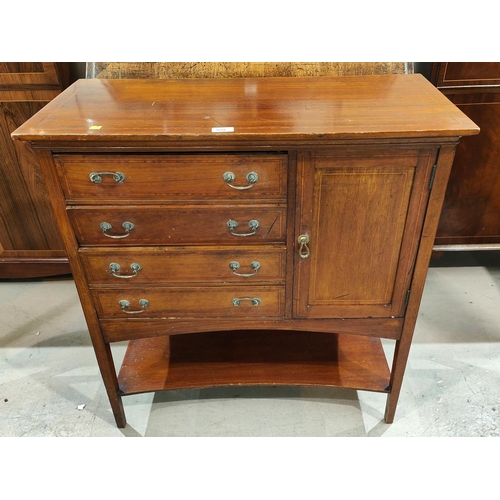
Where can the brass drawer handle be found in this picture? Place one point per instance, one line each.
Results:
(304, 251)
(232, 225)
(114, 268)
(125, 304)
(255, 301)
(234, 265)
(255, 265)
(252, 178)
(96, 177)
(106, 226)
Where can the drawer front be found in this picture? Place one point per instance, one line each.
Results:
(127, 267)
(191, 302)
(87, 178)
(173, 226)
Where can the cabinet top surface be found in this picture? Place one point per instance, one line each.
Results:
(273, 109)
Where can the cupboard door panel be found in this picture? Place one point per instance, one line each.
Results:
(356, 222)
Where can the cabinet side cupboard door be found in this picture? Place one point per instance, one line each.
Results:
(362, 214)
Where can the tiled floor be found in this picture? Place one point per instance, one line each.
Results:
(451, 387)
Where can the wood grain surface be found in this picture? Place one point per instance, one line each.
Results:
(277, 109)
(179, 225)
(28, 230)
(254, 358)
(471, 208)
(173, 177)
(206, 264)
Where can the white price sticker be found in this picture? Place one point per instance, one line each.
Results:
(222, 129)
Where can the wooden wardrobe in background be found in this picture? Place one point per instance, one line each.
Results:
(32, 246)
(470, 219)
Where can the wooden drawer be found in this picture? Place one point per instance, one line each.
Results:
(184, 265)
(87, 178)
(176, 225)
(237, 301)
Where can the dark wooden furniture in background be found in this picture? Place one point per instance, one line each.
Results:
(278, 250)
(28, 230)
(470, 219)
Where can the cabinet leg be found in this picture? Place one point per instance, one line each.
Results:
(118, 411)
(398, 369)
(390, 407)
(108, 372)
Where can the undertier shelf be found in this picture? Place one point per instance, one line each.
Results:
(262, 357)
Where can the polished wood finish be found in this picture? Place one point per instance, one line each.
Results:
(367, 161)
(173, 177)
(34, 76)
(117, 330)
(471, 211)
(203, 302)
(466, 74)
(380, 228)
(28, 264)
(254, 358)
(182, 113)
(28, 229)
(198, 264)
(403, 344)
(178, 225)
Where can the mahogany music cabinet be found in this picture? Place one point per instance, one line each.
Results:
(265, 231)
